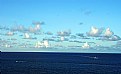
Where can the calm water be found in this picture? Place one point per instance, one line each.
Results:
(60, 63)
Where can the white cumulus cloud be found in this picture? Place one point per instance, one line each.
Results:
(108, 33)
(26, 36)
(44, 43)
(86, 46)
(95, 32)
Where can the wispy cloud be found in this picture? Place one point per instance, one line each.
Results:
(19, 28)
(80, 34)
(81, 23)
(10, 33)
(118, 44)
(38, 22)
(49, 33)
(64, 33)
(112, 38)
(87, 12)
(73, 37)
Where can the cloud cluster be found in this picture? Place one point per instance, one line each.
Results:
(62, 36)
(31, 29)
(19, 28)
(34, 29)
(108, 35)
(114, 38)
(95, 32)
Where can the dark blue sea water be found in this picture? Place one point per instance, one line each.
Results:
(60, 63)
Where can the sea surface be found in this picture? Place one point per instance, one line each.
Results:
(60, 63)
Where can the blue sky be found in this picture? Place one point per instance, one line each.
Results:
(63, 15)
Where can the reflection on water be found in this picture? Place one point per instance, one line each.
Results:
(19, 61)
(92, 57)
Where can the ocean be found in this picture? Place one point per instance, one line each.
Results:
(60, 63)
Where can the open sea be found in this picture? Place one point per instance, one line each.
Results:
(60, 63)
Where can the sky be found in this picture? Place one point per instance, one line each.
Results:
(91, 26)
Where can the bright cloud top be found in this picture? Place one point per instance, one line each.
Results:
(95, 32)
(108, 33)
